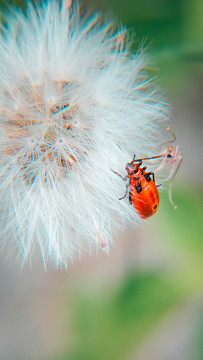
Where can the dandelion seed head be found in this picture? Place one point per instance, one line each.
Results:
(75, 104)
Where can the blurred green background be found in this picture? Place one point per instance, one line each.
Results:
(144, 301)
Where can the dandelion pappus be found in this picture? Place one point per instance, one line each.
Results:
(143, 192)
(171, 156)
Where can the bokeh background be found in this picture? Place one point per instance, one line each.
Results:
(145, 300)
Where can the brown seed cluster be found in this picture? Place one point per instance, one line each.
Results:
(35, 130)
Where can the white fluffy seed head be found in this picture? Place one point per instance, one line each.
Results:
(74, 105)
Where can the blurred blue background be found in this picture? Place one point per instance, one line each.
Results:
(144, 301)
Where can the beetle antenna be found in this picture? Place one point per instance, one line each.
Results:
(150, 158)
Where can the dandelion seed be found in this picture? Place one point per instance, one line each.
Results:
(74, 104)
(172, 157)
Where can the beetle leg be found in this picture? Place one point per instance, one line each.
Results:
(123, 178)
(123, 197)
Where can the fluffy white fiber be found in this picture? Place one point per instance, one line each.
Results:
(74, 105)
